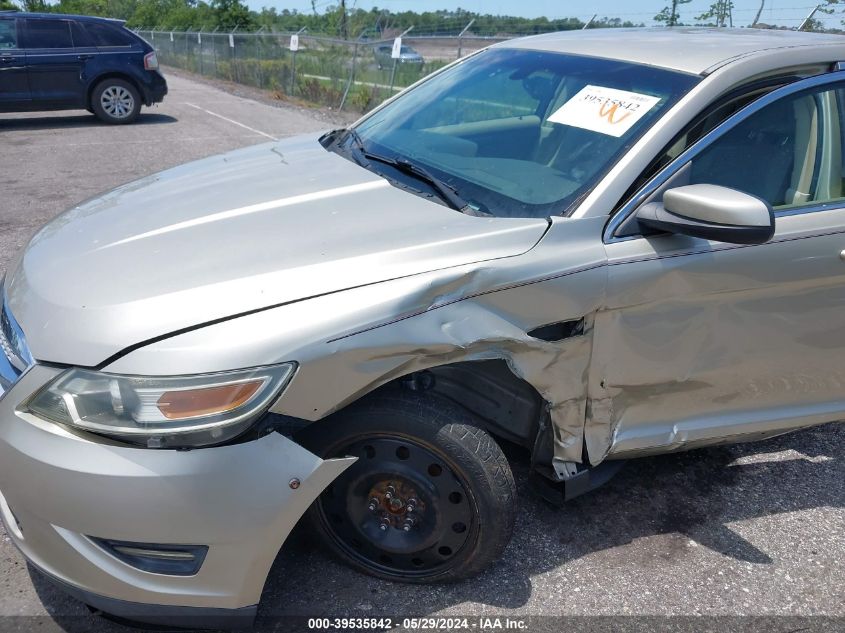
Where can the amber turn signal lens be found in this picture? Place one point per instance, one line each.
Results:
(192, 403)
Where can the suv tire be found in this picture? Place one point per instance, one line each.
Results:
(116, 101)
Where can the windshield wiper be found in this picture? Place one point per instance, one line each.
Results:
(448, 193)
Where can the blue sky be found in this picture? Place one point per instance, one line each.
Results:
(785, 12)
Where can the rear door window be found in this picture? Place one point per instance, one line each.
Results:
(81, 39)
(108, 35)
(8, 34)
(48, 34)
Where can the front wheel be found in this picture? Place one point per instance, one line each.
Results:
(430, 498)
(116, 101)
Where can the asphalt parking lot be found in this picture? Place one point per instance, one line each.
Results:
(755, 529)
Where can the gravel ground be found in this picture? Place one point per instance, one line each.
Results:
(751, 530)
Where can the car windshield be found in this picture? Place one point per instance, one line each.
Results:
(516, 133)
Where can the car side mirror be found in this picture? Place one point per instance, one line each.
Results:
(711, 212)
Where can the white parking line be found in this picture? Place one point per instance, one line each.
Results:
(232, 121)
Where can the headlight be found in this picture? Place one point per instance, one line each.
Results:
(161, 412)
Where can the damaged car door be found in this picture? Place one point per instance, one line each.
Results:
(706, 341)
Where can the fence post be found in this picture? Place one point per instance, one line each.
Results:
(294, 47)
(351, 75)
(392, 77)
(396, 59)
(461, 37)
(234, 57)
(199, 41)
(214, 51)
(293, 73)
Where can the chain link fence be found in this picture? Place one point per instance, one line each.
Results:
(343, 74)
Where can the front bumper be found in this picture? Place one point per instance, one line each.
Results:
(59, 489)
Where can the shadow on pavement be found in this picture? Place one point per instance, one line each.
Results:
(59, 122)
(693, 495)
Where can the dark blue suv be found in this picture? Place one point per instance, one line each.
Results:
(66, 62)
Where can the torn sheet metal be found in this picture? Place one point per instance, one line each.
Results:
(349, 343)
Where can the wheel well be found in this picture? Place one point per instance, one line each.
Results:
(113, 75)
(500, 401)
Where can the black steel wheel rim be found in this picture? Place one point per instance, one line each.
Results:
(400, 509)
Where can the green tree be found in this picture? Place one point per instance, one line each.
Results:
(34, 6)
(231, 14)
(669, 15)
(721, 12)
(829, 7)
(6, 5)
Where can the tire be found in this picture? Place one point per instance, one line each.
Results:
(430, 499)
(116, 101)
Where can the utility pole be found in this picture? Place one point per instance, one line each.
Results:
(344, 27)
(589, 22)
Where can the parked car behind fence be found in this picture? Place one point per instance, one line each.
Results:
(407, 55)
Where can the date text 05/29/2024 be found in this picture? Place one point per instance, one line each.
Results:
(419, 624)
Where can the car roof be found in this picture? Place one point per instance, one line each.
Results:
(696, 50)
(61, 16)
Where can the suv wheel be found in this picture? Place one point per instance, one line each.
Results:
(431, 497)
(116, 101)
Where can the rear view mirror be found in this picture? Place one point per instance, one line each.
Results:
(711, 212)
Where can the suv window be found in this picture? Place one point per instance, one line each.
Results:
(789, 153)
(48, 34)
(8, 33)
(108, 34)
(81, 39)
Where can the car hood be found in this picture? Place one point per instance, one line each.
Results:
(228, 235)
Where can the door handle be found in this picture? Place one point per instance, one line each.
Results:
(84, 57)
(5, 60)
(842, 256)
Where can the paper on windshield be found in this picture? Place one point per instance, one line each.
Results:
(604, 110)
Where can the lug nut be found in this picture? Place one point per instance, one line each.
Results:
(373, 505)
(409, 523)
(412, 505)
(385, 523)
